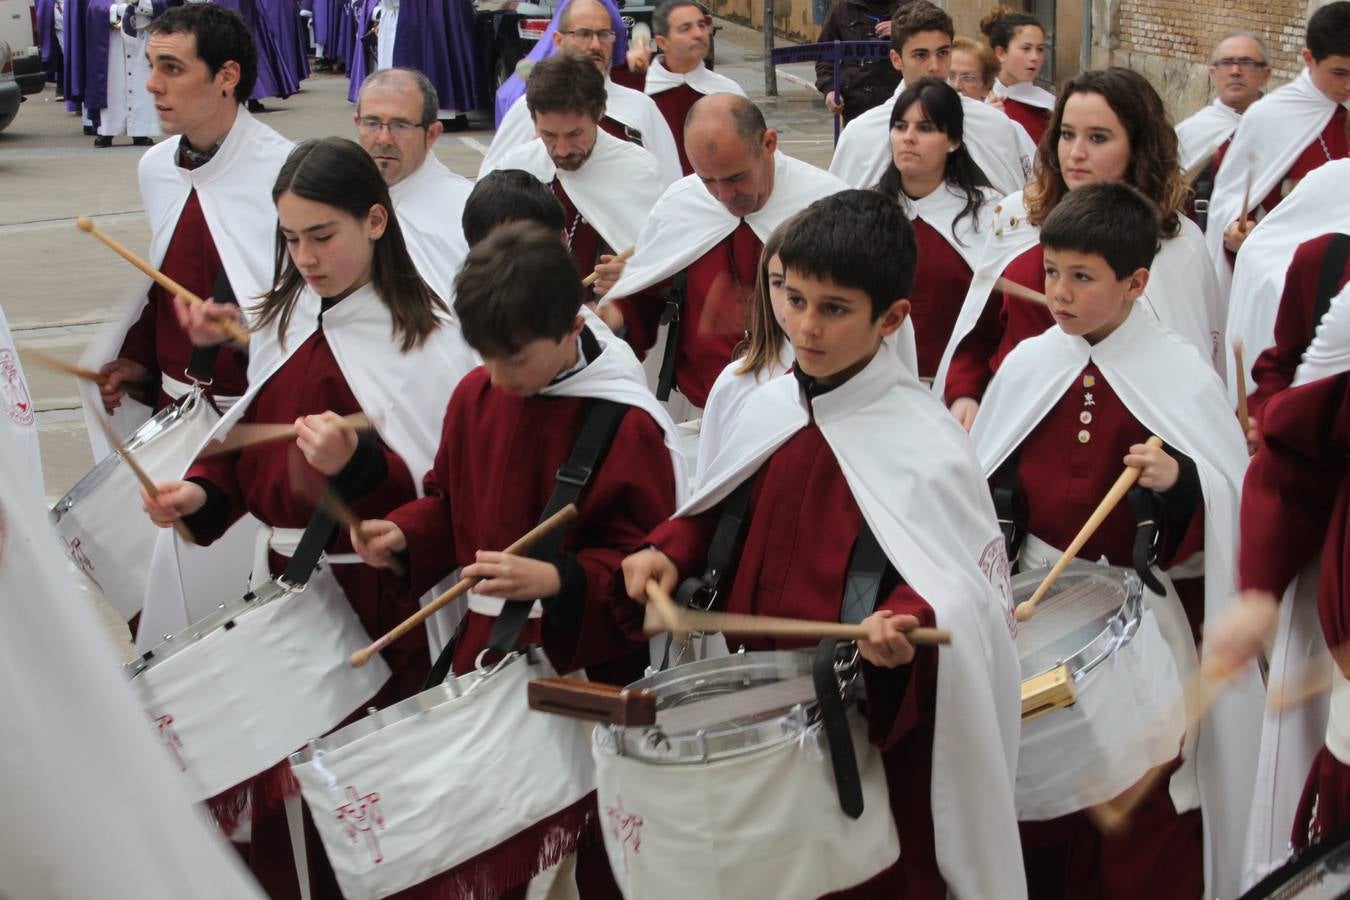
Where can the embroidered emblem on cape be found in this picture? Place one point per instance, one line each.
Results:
(361, 815)
(993, 563)
(79, 557)
(626, 828)
(169, 738)
(13, 392)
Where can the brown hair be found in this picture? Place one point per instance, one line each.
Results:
(1154, 164)
(763, 341)
(916, 17)
(566, 82)
(989, 64)
(1001, 25)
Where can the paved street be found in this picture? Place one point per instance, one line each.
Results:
(58, 286)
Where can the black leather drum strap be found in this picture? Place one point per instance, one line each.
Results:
(592, 443)
(317, 534)
(862, 589)
(1329, 278)
(670, 317)
(202, 363)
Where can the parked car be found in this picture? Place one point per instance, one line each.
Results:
(10, 94)
(18, 28)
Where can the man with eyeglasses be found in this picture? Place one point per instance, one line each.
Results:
(396, 124)
(678, 78)
(1283, 138)
(590, 29)
(1239, 72)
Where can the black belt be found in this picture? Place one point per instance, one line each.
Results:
(670, 317)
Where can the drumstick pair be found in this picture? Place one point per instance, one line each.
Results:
(251, 434)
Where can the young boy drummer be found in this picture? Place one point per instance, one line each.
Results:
(852, 439)
(1060, 414)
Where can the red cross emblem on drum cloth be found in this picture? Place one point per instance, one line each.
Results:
(361, 814)
(13, 393)
(626, 828)
(169, 737)
(79, 557)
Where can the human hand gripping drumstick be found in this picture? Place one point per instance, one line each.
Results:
(84, 223)
(617, 259)
(1027, 608)
(461, 587)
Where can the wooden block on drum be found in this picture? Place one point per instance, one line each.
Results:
(1047, 692)
(592, 701)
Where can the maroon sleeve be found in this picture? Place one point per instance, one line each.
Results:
(686, 539)
(970, 370)
(1291, 484)
(426, 523)
(218, 476)
(900, 700)
(1274, 369)
(642, 317)
(139, 344)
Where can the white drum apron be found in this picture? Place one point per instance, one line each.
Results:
(419, 789)
(749, 809)
(240, 690)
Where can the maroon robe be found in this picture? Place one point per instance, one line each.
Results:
(1005, 321)
(1295, 502)
(258, 480)
(583, 241)
(1065, 466)
(793, 561)
(940, 282)
(155, 339)
(712, 323)
(1033, 118)
(675, 104)
(1332, 144)
(1294, 324)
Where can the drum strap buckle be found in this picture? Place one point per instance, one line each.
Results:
(834, 719)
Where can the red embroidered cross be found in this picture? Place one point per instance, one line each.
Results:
(361, 815)
(626, 828)
(169, 737)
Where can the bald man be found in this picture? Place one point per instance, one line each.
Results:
(588, 28)
(1239, 70)
(706, 232)
(396, 122)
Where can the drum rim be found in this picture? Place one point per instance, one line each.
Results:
(1121, 626)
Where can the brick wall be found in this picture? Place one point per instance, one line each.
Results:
(1189, 29)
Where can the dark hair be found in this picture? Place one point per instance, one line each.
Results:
(221, 35)
(1113, 221)
(941, 105)
(661, 15)
(337, 172)
(743, 116)
(1329, 31)
(566, 82)
(517, 285)
(920, 15)
(1001, 25)
(857, 239)
(1154, 163)
(431, 102)
(509, 195)
(763, 339)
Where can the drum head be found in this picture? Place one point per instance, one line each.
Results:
(1088, 605)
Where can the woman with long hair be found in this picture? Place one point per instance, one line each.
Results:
(947, 199)
(1018, 41)
(1109, 125)
(348, 327)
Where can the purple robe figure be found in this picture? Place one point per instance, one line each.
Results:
(436, 38)
(274, 77)
(513, 88)
(49, 45)
(75, 56)
(363, 46)
(284, 24)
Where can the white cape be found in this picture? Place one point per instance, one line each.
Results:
(700, 78)
(429, 204)
(626, 106)
(1318, 205)
(235, 191)
(1271, 135)
(1000, 147)
(879, 424)
(1329, 352)
(613, 190)
(1203, 133)
(1026, 92)
(1178, 397)
(942, 208)
(79, 767)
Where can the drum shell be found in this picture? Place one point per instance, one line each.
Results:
(453, 777)
(243, 696)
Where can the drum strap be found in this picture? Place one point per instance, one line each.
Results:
(1204, 188)
(1329, 278)
(201, 365)
(673, 295)
(318, 532)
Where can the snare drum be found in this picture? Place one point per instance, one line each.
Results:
(100, 522)
(435, 789)
(1319, 872)
(241, 689)
(1101, 697)
(743, 807)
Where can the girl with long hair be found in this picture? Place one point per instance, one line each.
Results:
(1018, 41)
(1109, 125)
(348, 327)
(948, 201)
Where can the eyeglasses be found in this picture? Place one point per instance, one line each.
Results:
(964, 78)
(584, 35)
(1245, 63)
(398, 128)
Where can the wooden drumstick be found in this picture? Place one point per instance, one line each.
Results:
(84, 223)
(463, 586)
(55, 362)
(621, 256)
(1027, 608)
(1243, 419)
(1246, 202)
(141, 475)
(330, 502)
(677, 619)
(250, 434)
(1020, 290)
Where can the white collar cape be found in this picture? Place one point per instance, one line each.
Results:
(700, 78)
(235, 191)
(1000, 147)
(429, 204)
(631, 108)
(1329, 352)
(941, 209)
(1318, 205)
(1272, 133)
(1182, 292)
(614, 189)
(1026, 92)
(893, 440)
(686, 222)
(1203, 133)
(1176, 396)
